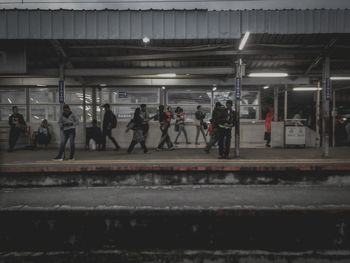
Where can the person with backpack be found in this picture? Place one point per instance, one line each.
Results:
(109, 123)
(138, 136)
(199, 122)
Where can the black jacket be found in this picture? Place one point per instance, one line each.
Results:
(107, 120)
(17, 118)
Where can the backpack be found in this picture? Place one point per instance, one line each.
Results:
(113, 121)
(131, 125)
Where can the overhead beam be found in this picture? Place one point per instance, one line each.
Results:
(319, 57)
(205, 82)
(179, 55)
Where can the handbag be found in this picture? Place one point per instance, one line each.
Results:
(205, 125)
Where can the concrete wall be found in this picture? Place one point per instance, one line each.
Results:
(252, 134)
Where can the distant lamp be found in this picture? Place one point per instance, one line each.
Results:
(266, 87)
(145, 40)
(244, 40)
(163, 87)
(268, 75)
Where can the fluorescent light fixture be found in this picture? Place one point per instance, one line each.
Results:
(103, 85)
(36, 117)
(145, 40)
(163, 87)
(167, 75)
(268, 74)
(214, 89)
(340, 78)
(244, 40)
(41, 85)
(266, 87)
(306, 88)
(10, 101)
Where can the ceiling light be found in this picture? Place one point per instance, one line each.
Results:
(41, 85)
(306, 88)
(268, 74)
(167, 75)
(340, 78)
(266, 87)
(145, 40)
(214, 89)
(10, 101)
(103, 85)
(244, 40)
(163, 87)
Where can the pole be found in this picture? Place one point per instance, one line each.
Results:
(94, 103)
(326, 92)
(84, 113)
(286, 102)
(333, 118)
(238, 90)
(318, 115)
(275, 102)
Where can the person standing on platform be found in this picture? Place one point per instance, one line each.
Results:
(164, 122)
(67, 122)
(109, 123)
(180, 122)
(268, 120)
(17, 125)
(138, 136)
(145, 119)
(225, 121)
(213, 137)
(199, 117)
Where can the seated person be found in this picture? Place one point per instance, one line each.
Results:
(94, 133)
(42, 134)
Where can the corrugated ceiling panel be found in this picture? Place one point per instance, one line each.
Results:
(158, 24)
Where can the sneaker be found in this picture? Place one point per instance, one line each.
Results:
(145, 151)
(71, 159)
(171, 148)
(60, 159)
(206, 150)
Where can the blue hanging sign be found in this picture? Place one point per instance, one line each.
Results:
(61, 91)
(328, 89)
(238, 90)
(123, 94)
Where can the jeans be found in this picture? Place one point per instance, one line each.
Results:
(200, 129)
(165, 137)
(181, 128)
(67, 134)
(224, 139)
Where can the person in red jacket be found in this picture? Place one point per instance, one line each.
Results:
(268, 120)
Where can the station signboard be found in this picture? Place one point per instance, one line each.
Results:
(61, 91)
(238, 89)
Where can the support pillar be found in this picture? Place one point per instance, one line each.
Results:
(333, 118)
(275, 102)
(84, 113)
(326, 92)
(238, 91)
(94, 103)
(318, 115)
(286, 102)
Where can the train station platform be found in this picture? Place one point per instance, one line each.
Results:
(177, 160)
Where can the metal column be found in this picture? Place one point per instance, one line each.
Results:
(333, 118)
(238, 89)
(93, 99)
(286, 102)
(275, 102)
(84, 113)
(318, 115)
(326, 96)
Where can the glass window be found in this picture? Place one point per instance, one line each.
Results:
(250, 98)
(12, 96)
(74, 96)
(130, 95)
(6, 112)
(43, 95)
(188, 97)
(223, 96)
(38, 113)
(127, 111)
(249, 112)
